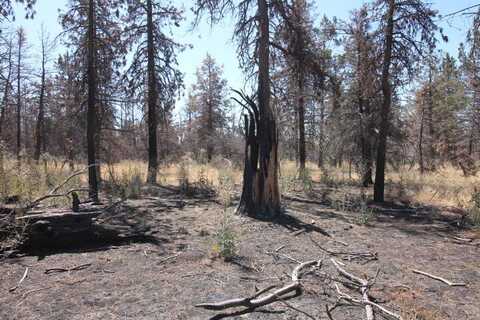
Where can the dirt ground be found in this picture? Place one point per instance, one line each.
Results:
(151, 258)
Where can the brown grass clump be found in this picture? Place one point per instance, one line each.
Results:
(444, 187)
(410, 308)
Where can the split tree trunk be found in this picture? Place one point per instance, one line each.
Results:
(260, 194)
(152, 100)
(379, 187)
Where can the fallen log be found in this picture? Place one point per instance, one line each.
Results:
(255, 300)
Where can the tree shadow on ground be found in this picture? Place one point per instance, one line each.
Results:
(293, 224)
(413, 220)
(121, 225)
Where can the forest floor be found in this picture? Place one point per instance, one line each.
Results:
(152, 258)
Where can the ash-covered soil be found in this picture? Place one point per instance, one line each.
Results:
(152, 258)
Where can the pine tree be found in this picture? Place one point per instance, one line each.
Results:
(153, 73)
(210, 92)
(407, 31)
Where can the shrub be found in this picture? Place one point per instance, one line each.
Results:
(128, 185)
(225, 239)
(305, 178)
(182, 176)
(367, 215)
(226, 187)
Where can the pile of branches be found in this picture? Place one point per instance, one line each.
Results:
(294, 288)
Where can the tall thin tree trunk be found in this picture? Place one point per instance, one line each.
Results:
(320, 161)
(420, 142)
(431, 129)
(7, 89)
(152, 100)
(19, 100)
(91, 107)
(302, 156)
(40, 125)
(379, 186)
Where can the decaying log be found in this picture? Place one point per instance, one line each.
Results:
(256, 301)
(451, 284)
(53, 223)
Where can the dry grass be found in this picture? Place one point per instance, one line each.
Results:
(445, 187)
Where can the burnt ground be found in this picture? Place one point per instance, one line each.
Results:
(152, 258)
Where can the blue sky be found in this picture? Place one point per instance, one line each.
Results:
(217, 40)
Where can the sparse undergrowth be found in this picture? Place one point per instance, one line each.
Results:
(445, 187)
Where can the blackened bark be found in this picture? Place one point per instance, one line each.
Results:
(264, 198)
(19, 100)
(431, 129)
(6, 91)
(302, 156)
(39, 132)
(379, 187)
(420, 142)
(91, 107)
(152, 100)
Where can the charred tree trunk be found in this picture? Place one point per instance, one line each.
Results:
(320, 160)
(302, 156)
(420, 143)
(152, 100)
(39, 133)
(431, 130)
(19, 94)
(91, 107)
(379, 187)
(261, 195)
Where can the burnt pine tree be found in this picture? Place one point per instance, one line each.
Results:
(470, 59)
(91, 108)
(407, 29)
(153, 72)
(94, 35)
(210, 97)
(21, 43)
(362, 53)
(260, 192)
(7, 82)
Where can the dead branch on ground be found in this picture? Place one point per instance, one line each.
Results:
(35, 202)
(451, 284)
(256, 301)
(368, 256)
(59, 270)
(19, 282)
(364, 287)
